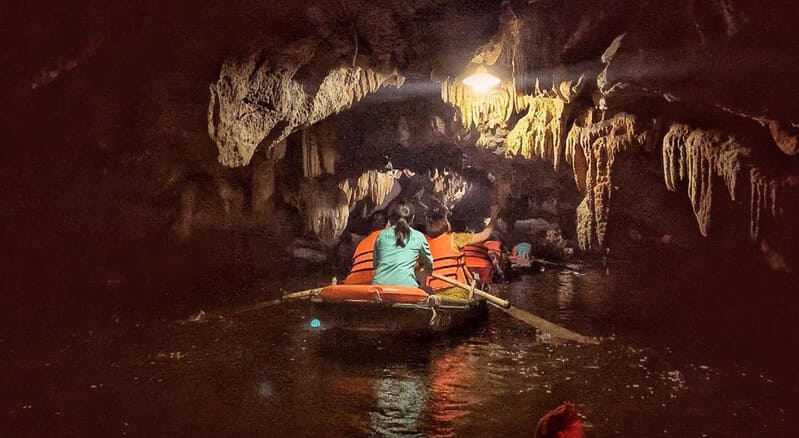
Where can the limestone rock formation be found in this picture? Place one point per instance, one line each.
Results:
(372, 184)
(622, 76)
(539, 132)
(785, 135)
(325, 210)
(698, 156)
(263, 184)
(489, 111)
(449, 187)
(259, 100)
(767, 191)
(597, 145)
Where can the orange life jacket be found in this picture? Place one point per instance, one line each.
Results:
(447, 262)
(478, 256)
(494, 246)
(363, 269)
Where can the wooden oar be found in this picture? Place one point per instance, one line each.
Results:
(480, 293)
(523, 315)
(203, 316)
(554, 264)
(286, 297)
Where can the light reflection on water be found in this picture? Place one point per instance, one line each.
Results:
(399, 401)
(565, 294)
(269, 374)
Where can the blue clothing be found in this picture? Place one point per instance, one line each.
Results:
(395, 264)
(523, 249)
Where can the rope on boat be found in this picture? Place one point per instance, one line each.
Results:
(433, 301)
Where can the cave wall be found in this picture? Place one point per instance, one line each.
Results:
(671, 120)
(113, 188)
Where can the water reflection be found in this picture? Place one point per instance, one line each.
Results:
(452, 379)
(264, 374)
(565, 282)
(399, 402)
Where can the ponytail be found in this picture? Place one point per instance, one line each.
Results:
(403, 231)
(402, 215)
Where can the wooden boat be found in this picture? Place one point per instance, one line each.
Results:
(381, 308)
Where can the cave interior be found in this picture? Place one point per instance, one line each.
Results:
(177, 144)
(165, 158)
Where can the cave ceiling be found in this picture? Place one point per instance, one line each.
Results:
(726, 55)
(701, 90)
(584, 83)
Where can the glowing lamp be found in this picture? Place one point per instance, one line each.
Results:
(481, 80)
(315, 323)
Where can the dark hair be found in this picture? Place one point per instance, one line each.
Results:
(438, 226)
(402, 215)
(378, 220)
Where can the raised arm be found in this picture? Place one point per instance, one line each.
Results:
(484, 235)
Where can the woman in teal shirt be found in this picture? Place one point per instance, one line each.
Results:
(397, 249)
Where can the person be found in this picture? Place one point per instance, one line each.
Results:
(521, 256)
(483, 259)
(362, 270)
(447, 249)
(398, 248)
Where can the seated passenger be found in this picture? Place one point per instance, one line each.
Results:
(362, 270)
(483, 259)
(398, 248)
(521, 256)
(447, 249)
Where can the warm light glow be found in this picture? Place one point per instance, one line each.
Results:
(481, 80)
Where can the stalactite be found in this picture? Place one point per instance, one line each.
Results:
(318, 155)
(673, 155)
(325, 206)
(574, 155)
(328, 156)
(478, 110)
(764, 197)
(263, 181)
(371, 184)
(263, 187)
(448, 186)
(539, 132)
(326, 213)
(698, 156)
(592, 151)
(311, 166)
(768, 191)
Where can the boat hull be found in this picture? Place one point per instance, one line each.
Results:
(372, 308)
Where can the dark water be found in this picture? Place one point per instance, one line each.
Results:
(683, 355)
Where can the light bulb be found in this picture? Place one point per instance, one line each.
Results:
(481, 80)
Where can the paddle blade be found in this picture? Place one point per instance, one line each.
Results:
(547, 327)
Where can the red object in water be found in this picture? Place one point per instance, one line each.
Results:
(561, 422)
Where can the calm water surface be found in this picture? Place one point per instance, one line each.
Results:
(682, 356)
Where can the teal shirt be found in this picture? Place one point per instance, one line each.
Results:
(395, 264)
